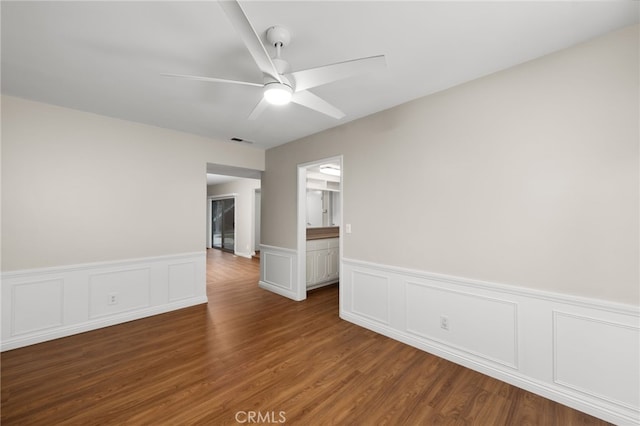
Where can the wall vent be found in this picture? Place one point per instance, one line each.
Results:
(234, 139)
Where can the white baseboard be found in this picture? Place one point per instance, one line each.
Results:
(49, 303)
(320, 285)
(278, 290)
(583, 353)
(245, 255)
(64, 331)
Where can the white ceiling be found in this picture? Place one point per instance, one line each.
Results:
(219, 173)
(217, 179)
(107, 57)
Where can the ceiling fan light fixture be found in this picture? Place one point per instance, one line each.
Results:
(278, 93)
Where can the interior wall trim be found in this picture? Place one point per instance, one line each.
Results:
(594, 332)
(603, 305)
(65, 331)
(278, 270)
(480, 300)
(580, 352)
(244, 254)
(94, 265)
(49, 303)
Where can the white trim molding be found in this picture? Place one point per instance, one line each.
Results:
(583, 353)
(245, 255)
(278, 271)
(48, 303)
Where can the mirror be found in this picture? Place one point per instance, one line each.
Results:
(323, 208)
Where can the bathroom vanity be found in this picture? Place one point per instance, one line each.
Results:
(323, 256)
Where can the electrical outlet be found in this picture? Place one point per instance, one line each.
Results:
(444, 322)
(112, 299)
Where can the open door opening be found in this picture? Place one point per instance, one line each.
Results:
(231, 223)
(223, 232)
(319, 229)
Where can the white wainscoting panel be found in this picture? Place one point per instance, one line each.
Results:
(580, 352)
(45, 297)
(49, 303)
(278, 270)
(479, 325)
(182, 281)
(370, 296)
(131, 287)
(586, 344)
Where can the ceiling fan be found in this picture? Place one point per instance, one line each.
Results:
(280, 86)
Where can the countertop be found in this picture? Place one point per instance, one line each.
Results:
(324, 232)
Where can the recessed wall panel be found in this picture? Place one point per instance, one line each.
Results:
(370, 296)
(479, 325)
(598, 358)
(277, 270)
(130, 287)
(182, 281)
(37, 306)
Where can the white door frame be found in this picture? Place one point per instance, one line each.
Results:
(301, 290)
(257, 218)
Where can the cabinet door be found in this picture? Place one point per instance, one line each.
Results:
(311, 266)
(333, 268)
(322, 263)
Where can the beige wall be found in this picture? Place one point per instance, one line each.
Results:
(79, 187)
(526, 177)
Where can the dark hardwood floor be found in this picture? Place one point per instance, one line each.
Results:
(248, 357)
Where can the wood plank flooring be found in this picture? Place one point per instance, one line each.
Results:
(249, 357)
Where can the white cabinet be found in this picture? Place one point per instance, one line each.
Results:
(311, 260)
(323, 260)
(321, 272)
(333, 264)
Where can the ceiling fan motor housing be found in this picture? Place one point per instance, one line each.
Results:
(278, 36)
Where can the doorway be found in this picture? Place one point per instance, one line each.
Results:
(329, 215)
(223, 224)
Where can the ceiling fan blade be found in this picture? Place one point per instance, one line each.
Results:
(316, 103)
(250, 38)
(212, 79)
(262, 105)
(314, 77)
